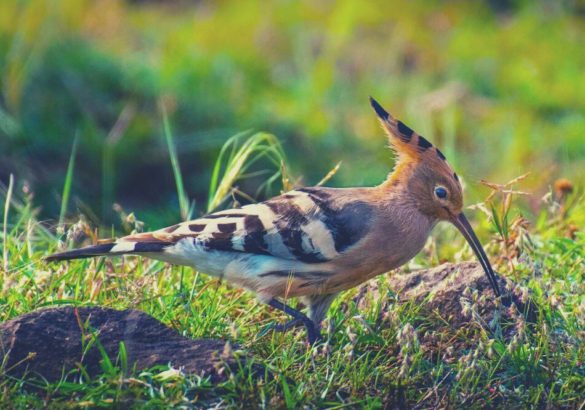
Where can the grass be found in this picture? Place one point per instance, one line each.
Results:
(237, 155)
(68, 182)
(5, 224)
(467, 75)
(378, 352)
(182, 195)
(464, 75)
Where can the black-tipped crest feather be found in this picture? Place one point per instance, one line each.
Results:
(379, 110)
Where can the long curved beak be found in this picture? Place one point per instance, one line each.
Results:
(461, 222)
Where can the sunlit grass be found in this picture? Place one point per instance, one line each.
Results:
(183, 198)
(237, 155)
(378, 351)
(68, 181)
(7, 200)
(499, 90)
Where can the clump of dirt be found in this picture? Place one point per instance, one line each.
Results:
(447, 289)
(456, 301)
(49, 341)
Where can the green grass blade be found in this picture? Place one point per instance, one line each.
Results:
(230, 145)
(108, 171)
(68, 181)
(183, 198)
(288, 397)
(231, 167)
(123, 357)
(5, 227)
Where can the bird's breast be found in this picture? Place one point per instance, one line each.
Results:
(393, 243)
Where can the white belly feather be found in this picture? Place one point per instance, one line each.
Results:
(243, 269)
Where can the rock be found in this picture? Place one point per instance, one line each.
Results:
(442, 289)
(47, 341)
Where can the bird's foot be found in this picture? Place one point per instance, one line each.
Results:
(286, 326)
(277, 327)
(313, 333)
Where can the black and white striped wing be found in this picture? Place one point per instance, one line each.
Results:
(308, 225)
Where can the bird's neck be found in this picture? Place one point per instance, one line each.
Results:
(396, 194)
(396, 184)
(400, 222)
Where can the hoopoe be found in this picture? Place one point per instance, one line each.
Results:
(313, 243)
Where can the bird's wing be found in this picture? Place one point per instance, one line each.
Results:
(309, 225)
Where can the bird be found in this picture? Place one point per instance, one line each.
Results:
(312, 243)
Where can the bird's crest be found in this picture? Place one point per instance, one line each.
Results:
(408, 145)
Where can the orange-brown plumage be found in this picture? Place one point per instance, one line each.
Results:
(313, 243)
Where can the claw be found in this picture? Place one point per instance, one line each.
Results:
(277, 327)
(286, 326)
(313, 334)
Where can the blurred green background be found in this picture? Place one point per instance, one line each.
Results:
(498, 85)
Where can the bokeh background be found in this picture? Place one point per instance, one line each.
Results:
(498, 85)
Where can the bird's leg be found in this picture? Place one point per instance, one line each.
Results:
(318, 306)
(313, 333)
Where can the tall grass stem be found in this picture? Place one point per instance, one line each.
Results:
(236, 157)
(183, 198)
(5, 227)
(68, 180)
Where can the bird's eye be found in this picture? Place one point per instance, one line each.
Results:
(441, 192)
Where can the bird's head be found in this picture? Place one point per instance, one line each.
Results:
(423, 173)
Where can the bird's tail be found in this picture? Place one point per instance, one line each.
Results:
(120, 247)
